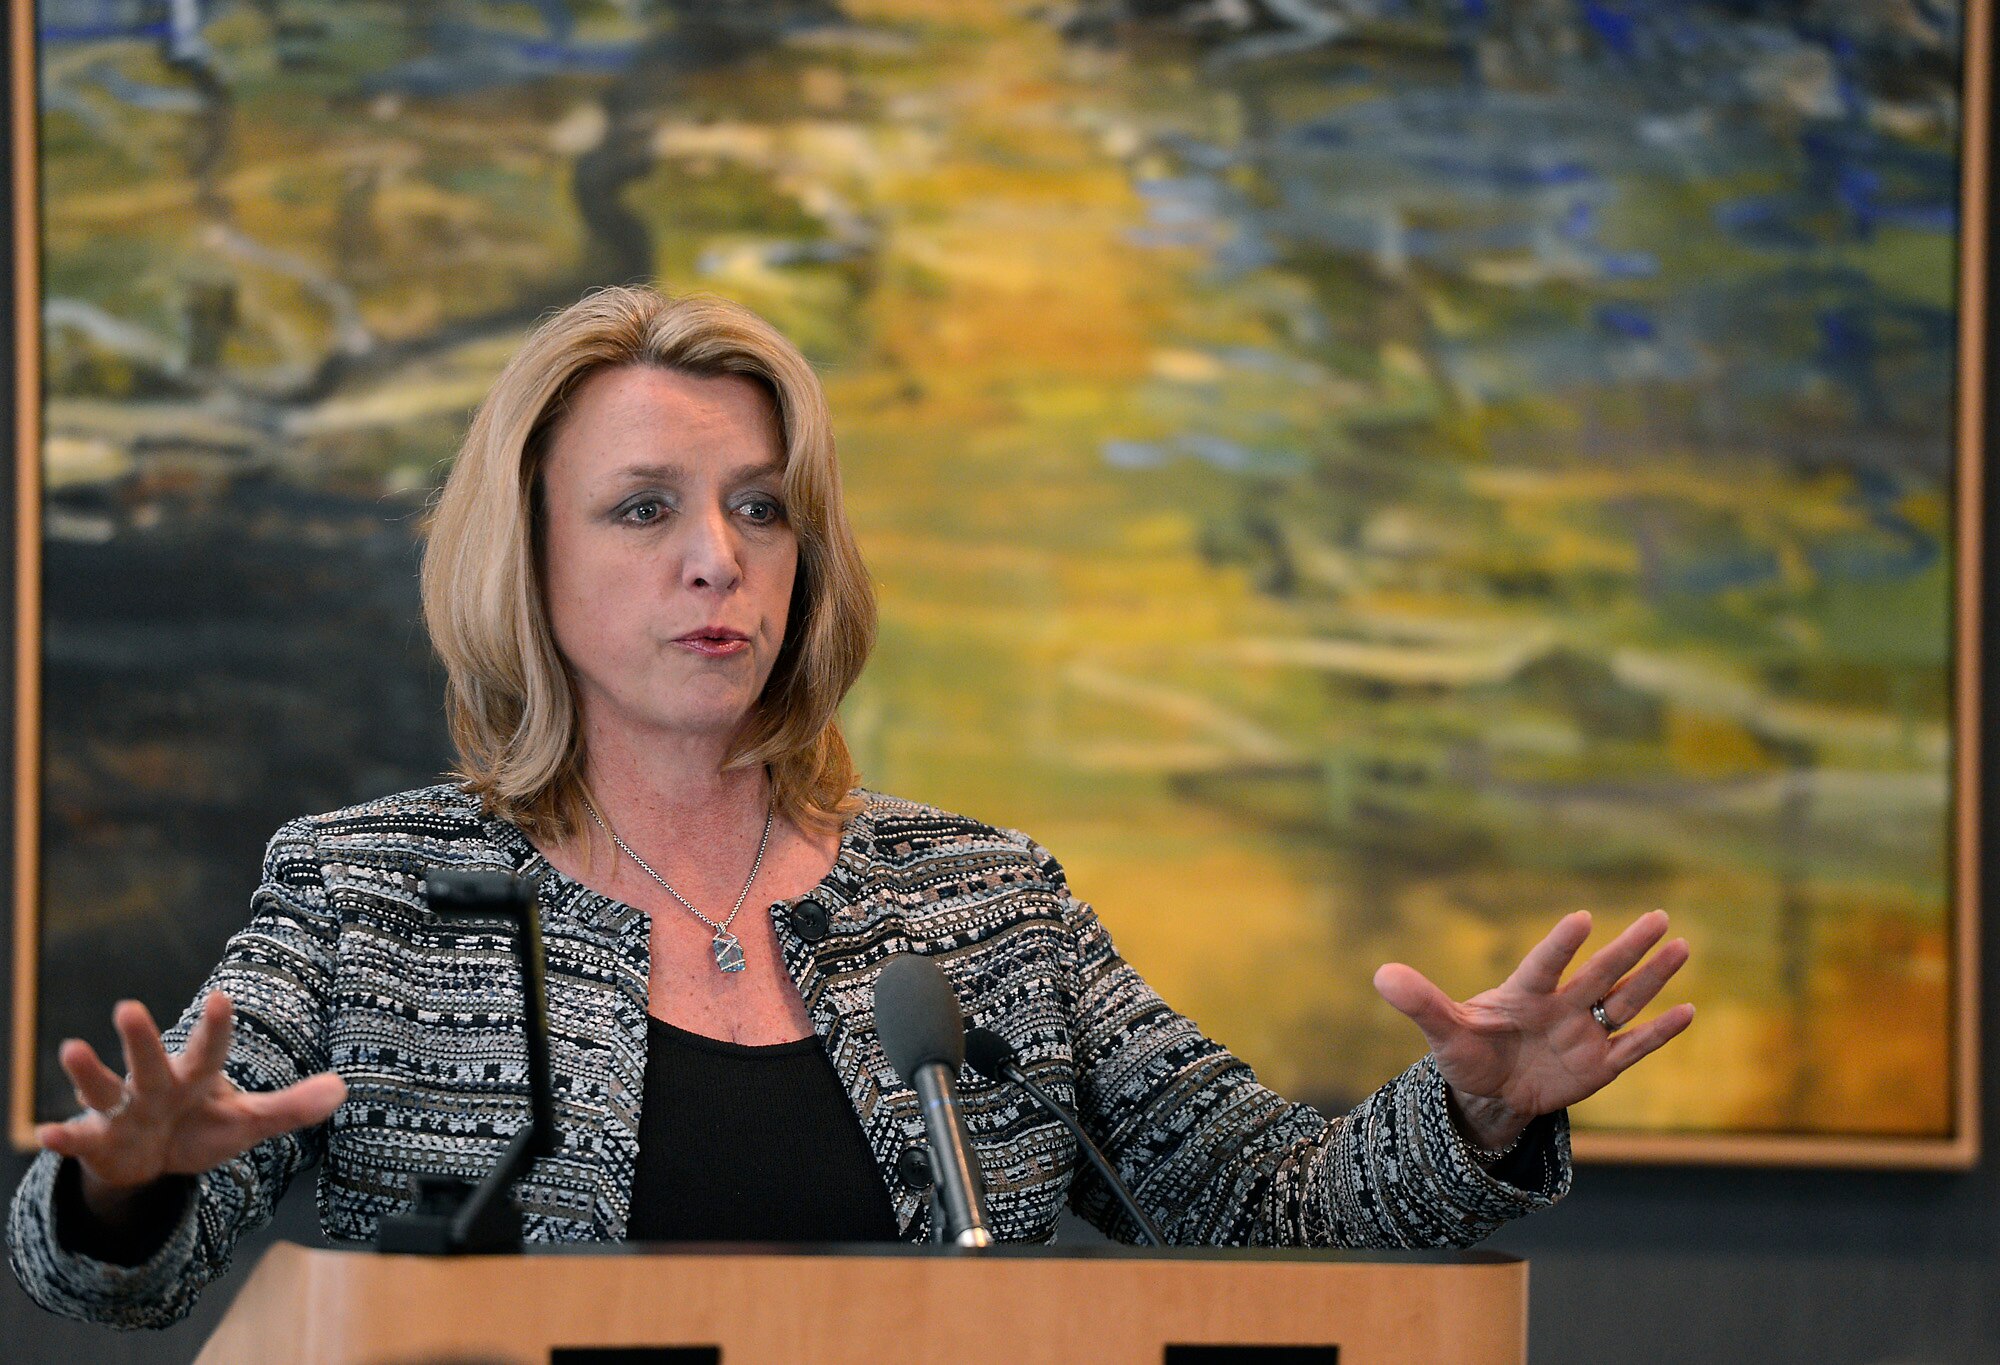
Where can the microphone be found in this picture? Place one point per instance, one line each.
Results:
(993, 1057)
(923, 1031)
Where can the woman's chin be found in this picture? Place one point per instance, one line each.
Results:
(720, 720)
(681, 707)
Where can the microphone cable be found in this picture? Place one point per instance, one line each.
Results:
(994, 1058)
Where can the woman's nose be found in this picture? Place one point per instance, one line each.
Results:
(711, 558)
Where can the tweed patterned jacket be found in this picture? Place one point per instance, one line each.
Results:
(342, 966)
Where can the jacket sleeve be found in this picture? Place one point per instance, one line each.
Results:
(278, 971)
(1220, 1160)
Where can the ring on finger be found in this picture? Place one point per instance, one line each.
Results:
(1597, 1013)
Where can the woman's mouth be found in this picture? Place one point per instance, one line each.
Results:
(715, 643)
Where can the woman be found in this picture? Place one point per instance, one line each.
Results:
(643, 586)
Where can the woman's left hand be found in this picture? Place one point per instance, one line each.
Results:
(1531, 1046)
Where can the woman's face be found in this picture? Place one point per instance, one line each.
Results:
(664, 522)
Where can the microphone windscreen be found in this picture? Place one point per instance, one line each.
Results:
(917, 1016)
(989, 1053)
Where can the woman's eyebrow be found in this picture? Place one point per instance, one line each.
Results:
(675, 473)
(651, 473)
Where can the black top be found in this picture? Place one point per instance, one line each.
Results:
(751, 1144)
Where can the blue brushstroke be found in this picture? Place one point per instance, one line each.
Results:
(463, 58)
(1231, 456)
(1509, 173)
(1911, 550)
(155, 99)
(1616, 31)
(1627, 265)
(53, 35)
(1133, 454)
(1747, 568)
(1626, 321)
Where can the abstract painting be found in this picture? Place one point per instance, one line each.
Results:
(1356, 479)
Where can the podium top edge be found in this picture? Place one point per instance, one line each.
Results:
(1033, 1252)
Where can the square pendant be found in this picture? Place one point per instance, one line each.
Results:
(728, 953)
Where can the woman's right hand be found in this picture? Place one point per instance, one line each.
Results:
(170, 1114)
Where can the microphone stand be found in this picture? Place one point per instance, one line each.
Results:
(456, 1217)
(922, 1030)
(957, 1187)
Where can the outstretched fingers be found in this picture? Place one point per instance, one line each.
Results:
(1595, 978)
(312, 1100)
(145, 1055)
(1541, 970)
(98, 1088)
(1629, 1046)
(1628, 999)
(1413, 993)
(97, 1085)
(208, 1041)
(71, 1138)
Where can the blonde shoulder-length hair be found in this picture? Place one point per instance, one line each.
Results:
(509, 696)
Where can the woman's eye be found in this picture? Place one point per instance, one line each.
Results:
(764, 511)
(644, 513)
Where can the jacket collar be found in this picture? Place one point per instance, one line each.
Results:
(834, 970)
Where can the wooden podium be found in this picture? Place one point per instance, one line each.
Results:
(845, 1305)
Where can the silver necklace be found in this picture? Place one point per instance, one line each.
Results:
(728, 951)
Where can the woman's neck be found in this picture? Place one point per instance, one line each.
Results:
(669, 793)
